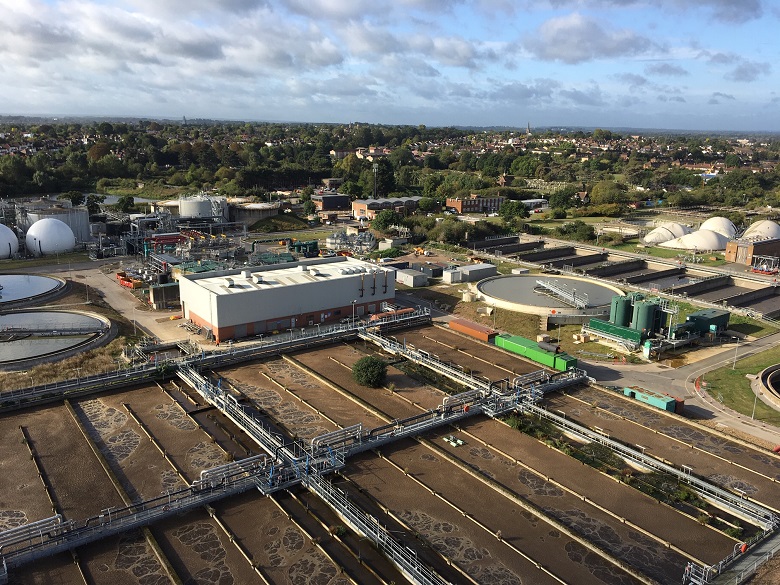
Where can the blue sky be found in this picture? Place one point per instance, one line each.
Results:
(695, 64)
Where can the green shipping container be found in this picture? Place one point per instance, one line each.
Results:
(563, 361)
(530, 350)
(616, 330)
(546, 358)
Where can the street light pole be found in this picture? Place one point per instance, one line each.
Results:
(736, 349)
(353, 311)
(755, 400)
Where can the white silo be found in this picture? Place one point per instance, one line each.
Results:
(50, 236)
(9, 243)
(202, 206)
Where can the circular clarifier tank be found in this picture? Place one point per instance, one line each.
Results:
(29, 335)
(523, 294)
(23, 288)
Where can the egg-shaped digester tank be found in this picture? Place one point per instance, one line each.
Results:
(49, 236)
(9, 243)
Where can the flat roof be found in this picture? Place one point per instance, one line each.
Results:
(284, 275)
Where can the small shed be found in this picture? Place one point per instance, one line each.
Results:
(429, 269)
(411, 278)
(452, 276)
(477, 272)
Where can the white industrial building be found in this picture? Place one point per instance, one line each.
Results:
(411, 278)
(475, 272)
(264, 299)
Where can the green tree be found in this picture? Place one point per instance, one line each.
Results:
(564, 198)
(384, 219)
(75, 197)
(306, 193)
(512, 209)
(426, 204)
(369, 371)
(93, 203)
(608, 192)
(309, 208)
(125, 203)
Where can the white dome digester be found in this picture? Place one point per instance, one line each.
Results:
(50, 236)
(9, 243)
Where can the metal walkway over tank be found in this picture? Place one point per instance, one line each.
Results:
(290, 462)
(563, 293)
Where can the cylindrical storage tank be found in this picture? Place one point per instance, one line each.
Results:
(50, 236)
(644, 316)
(197, 206)
(623, 312)
(76, 218)
(549, 346)
(9, 243)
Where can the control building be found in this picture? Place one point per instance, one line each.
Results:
(232, 304)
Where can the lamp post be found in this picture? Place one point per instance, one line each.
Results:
(376, 169)
(135, 326)
(736, 349)
(755, 400)
(353, 311)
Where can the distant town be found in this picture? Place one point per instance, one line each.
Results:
(323, 353)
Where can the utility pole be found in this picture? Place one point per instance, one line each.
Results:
(376, 169)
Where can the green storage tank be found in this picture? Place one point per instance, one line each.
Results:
(620, 310)
(644, 318)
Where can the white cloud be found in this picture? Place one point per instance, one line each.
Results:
(575, 38)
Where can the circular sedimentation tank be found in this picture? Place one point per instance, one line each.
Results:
(29, 336)
(22, 289)
(517, 292)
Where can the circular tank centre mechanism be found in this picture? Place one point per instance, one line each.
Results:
(548, 295)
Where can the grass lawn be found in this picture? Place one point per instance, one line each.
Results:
(279, 223)
(732, 387)
(60, 259)
(150, 190)
(515, 323)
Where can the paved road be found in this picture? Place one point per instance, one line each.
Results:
(681, 382)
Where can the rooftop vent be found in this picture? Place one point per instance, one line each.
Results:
(258, 278)
(228, 282)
